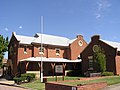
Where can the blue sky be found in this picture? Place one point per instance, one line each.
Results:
(61, 17)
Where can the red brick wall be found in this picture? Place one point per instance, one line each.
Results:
(58, 86)
(55, 86)
(36, 51)
(76, 49)
(49, 51)
(52, 52)
(118, 65)
(21, 54)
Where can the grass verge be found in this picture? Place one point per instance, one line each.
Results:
(36, 85)
(110, 81)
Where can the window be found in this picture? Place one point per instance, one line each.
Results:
(90, 64)
(41, 50)
(57, 51)
(11, 50)
(25, 49)
(15, 45)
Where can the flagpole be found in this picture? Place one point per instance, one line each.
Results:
(41, 49)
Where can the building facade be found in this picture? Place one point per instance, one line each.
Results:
(112, 53)
(24, 47)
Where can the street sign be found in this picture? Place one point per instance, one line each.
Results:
(58, 69)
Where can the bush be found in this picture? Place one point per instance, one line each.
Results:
(18, 80)
(28, 76)
(107, 74)
(74, 73)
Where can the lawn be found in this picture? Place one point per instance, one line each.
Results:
(36, 85)
(110, 81)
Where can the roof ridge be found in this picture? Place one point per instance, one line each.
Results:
(53, 35)
(110, 41)
(25, 36)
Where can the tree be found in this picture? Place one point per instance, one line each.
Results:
(3, 48)
(100, 59)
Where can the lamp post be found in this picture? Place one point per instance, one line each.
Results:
(41, 73)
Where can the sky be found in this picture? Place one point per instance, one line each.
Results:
(66, 18)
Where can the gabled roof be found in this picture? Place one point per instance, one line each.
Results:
(46, 39)
(113, 44)
(24, 39)
(71, 41)
(52, 40)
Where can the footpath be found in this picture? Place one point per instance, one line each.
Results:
(10, 85)
(7, 82)
(112, 87)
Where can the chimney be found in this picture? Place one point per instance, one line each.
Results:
(79, 36)
(95, 38)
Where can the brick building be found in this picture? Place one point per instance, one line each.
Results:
(112, 52)
(24, 52)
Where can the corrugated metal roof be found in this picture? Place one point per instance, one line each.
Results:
(52, 40)
(24, 39)
(46, 39)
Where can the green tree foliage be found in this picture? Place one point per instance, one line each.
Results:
(3, 47)
(100, 59)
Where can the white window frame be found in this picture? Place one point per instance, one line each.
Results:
(25, 49)
(90, 63)
(57, 51)
(41, 52)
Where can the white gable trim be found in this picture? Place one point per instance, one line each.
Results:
(112, 44)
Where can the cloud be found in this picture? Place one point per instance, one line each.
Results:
(6, 29)
(102, 7)
(98, 16)
(20, 27)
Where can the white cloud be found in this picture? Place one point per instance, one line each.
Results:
(102, 6)
(6, 29)
(20, 27)
(98, 16)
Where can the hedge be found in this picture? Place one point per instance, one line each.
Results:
(27, 76)
(19, 80)
(107, 74)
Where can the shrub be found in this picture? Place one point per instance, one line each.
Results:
(107, 74)
(18, 80)
(100, 59)
(28, 76)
